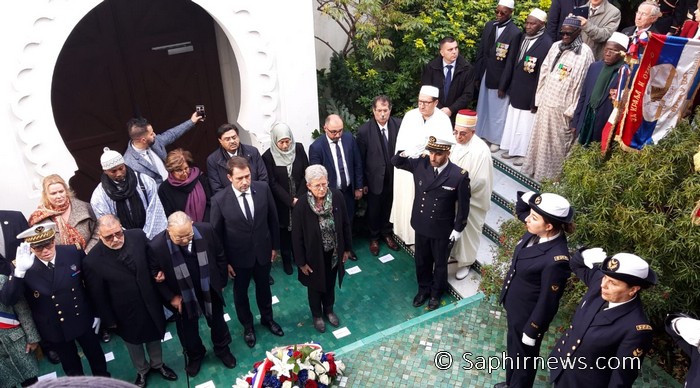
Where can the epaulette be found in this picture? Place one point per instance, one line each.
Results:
(644, 327)
(561, 257)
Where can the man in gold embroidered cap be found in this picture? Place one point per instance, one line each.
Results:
(609, 324)
(60, 308)
(439, 185)
(473, 155)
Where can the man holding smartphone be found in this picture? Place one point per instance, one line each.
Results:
(602, 20)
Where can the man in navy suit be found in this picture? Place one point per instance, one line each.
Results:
(146, 150)
(244, 217)
(609, 331)
(13, 223)
(230, 145)
(439, 186)
(339, 154)
(377, 142)
(50, 278)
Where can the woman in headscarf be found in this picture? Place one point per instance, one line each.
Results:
(286, 162)
(186, 189)
(322, 241)
(74, 218)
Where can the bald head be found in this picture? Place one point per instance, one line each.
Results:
(333, 127)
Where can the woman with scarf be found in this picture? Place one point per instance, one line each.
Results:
(186, 189)
(595, 103)
(559, 87)
(74, 218)
(285, 162)
(321, 240)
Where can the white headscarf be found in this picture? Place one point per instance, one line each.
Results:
(282, 158)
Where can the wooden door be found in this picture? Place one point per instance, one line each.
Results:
(108, 72)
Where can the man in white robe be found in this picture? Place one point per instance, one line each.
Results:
(417, 125)
(472, 154)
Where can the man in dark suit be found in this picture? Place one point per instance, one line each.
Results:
(190, 259)
(594, 104)
(120, 286)
(376, 140)
(244, 217)
(498, 51)
(146, 151)
(452, 75)
(231, 145)
(339, 154)
(51, 280)
(558, 11)
(647, 14)
(609, 324)
(673, 14)
(439, 186)
(13, 223)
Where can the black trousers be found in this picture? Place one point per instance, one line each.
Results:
(431, 253)
(260, 274)
(349, 196)
(286, 245)
(522, 374)
(379, 210)
(188, 331)
(70, 360)
(321, 302)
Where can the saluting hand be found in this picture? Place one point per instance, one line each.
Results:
(23, 259)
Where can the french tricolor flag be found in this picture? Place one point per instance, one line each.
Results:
(663, 86)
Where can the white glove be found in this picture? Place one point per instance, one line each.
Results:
(526, 196)
(96, 324)
(593, 256)
(416, 151)
(688, 329)
(23, 259)
(528, 341)
(455, 235)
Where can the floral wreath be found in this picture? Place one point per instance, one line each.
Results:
(301, 365)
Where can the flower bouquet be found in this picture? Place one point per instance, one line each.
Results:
(302, 366)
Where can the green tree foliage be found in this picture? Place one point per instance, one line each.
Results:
(389, 43)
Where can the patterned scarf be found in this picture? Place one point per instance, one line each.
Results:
(327, 224)
(196, 203)
(574, 46)
(133, 214)
(526, 42)
(184, 281)
(67, 233)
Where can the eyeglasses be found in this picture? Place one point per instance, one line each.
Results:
(113, 236)
(182, 238)
(182, 169)
(44, 247)
(333, 132)
(566, 33)
(421, 102)
(319, 186)
(499, 12)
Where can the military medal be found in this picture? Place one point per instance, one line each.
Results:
(563, 70)
(73, 267)
(530, 64)
(36, 294)
(501, 51)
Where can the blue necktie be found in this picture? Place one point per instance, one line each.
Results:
(341, 166)
(248, 214)
(448, 80)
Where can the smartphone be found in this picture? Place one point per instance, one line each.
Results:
(200, 111)
(581, 11)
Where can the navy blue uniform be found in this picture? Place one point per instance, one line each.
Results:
(693, 377)
(434, 217)
(612, 342)
(60, 309)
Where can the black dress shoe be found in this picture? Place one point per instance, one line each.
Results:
(106, 337)
(140, 380)
(433, 303)
(353, 255)
(274, 328)
(319, 324)
(272, 281)
(333, 319)
(193, 366)
(53, 357)
(166, 373)
(419, 299)
(249, 337)
(501, 385)
(228, 360)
